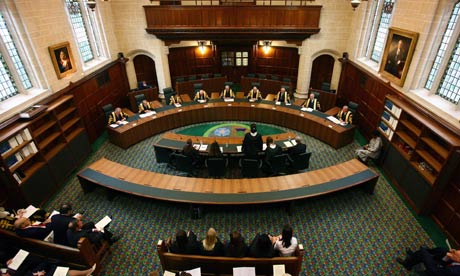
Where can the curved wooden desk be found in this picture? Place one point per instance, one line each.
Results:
(117, 177)
(313, 123)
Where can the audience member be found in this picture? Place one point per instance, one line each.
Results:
(285, 244)
(214, 150)
(254, 94)
(236, 247)
(145, 106)
(60, 223)
(282, 96)
(298, 149)
(211, 245)
(371, 150)
(94, 235)
(143, 85)
(117, 116)
(312, 102)
(185, 243)
(252, 143)
(261, 247)
(345, 115)
(227, 93)
(24, 228)
(201, 96)
(437, 261)
(190, 151)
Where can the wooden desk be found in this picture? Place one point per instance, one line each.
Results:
(120, 178)
(267, 86)
(313, 123)
(209, 85)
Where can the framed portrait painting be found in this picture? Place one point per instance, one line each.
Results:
(397, 55)
(62, 58)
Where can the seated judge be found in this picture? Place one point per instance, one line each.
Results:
(145, 107)
(227, 93)
(345, 115)
(201, 96)
(282, 96)
(254, 94)
(117, 116)
(175, 99)
(371, 150)
(312, 103)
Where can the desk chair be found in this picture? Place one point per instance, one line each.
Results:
(251, 75)
(107, 109)
(162, 155)
(192, 77)
(286, 80)
(326, 86)
(139, 98)
(262, 76)
(205, 76)
(217, 75)
(256, 84)
(275, 78)
(353, 107)
(317, 94)
(180, 79)
(229, 83)
(181, 163)
(279, 164)
(250, 168)
(300, 162)
(197, 87)
(217, 166)
(168, 92)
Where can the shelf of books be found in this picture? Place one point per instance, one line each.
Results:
(389, 119)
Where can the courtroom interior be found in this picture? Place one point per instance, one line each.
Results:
(284, 136)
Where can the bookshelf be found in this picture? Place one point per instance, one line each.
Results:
(424, 145)
(36, 156)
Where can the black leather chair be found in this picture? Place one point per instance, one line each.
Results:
(262, 76)
(286, 80)
(256, 84)
(181, 163)
(217, 166)
(107, 109)
(251, 75)
(325, 86)
(316, 94)
(139, 98)
(250, 168)
(279, 164)
(192, 77)
(229, 83)
(162, 155)
(275, 77)
(353, 107)
(300, 162)
(197, 87)
(180, 79)
(217, 75)
(168, 92)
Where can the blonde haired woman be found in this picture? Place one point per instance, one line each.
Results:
(211, 245)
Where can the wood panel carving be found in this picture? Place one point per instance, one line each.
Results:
(226, 22)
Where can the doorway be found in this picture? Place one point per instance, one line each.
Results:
(145, 70)
(321, 72)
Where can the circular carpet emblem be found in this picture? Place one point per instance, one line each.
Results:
(222, 132)
(227, 130)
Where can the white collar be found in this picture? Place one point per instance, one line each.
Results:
(272, 146)
(253, 134)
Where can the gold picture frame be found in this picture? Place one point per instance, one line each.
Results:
(62, 58)
(397, 56)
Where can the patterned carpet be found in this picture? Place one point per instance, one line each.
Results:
(346, 233)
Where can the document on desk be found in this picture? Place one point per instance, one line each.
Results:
(201, 101)
(221, 149)
(288, 144)
(278, 103)
(123, 122)
(196, 146)
(50, 237)
(113, 125)
(293, 142)
(278, 270)
(18, 259)
(244, 271)
(195, 272)
(203, 147)
(333, 119)
(229, 100)
(61, 271)
(239, 148)
(103, 223)
(177, 105)
(308, 109)
(30, 210)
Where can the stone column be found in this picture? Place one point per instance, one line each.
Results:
(304, 73)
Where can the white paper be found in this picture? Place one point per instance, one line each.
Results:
(18, 259)
(221, 149)
(448, 245)
(123, 122)
(50, 237)
(288, 144)
(114, 125)
(293, 142)
(288, 103)
(29, 211)
(278, 270)
(61, 271)
(278, 103)
(103, 223)
(239, 148)
(54, 213)
(228, 100)
(203, 147)
(333, 119)
(196, 146)
(244, 271)
(143, 115)
(308, 109)
(168, 273)
(195, 272)
(264, 146)
(252, 100)
(201, 101)
(178, 105)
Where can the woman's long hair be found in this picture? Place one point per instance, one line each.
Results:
(286, 235)
(211, 239)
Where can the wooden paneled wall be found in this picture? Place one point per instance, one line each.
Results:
(190, 61)
(282, 61)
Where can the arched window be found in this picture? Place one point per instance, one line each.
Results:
(444, 76)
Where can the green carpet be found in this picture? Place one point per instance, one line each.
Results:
(345, 233)
(236, 129)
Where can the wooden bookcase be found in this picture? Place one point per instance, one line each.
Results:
(38, 155)
(424, 147)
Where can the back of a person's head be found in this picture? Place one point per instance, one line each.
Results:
(263, 242)
(298, 139)
(211, 238)
(65, 208)
(73, 225)
(235, 238)
(253, 128)
(269, 140)
(286, 235)
(181, 238)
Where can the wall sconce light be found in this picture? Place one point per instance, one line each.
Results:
(266, 46)
(91, 5)
(356, 3)
(202, 46)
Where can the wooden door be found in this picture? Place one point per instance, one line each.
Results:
(321, 71)
(145, 70)
(234, 61)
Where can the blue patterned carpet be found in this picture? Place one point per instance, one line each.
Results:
(346, 233)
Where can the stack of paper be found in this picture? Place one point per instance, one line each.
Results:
(333, 119)
(278, 103)
(103, 223)
(61, 271)
(244, 271)
(203, 147)
(113, 125)
(229, 100)
(239, 148)
(264, 146)
(278, 270)
(30, 210)
(178, 105)
(288, 144)
(196, 146)
(18, 259)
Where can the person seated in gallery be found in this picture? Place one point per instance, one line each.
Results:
(175, 99)
(24, 228)
(192, 153)
(143, 85)
(371, 150)
(60, 223)
(271, 151)
(184, 243)
(252, 143)
(298, 149)
(201, 96)
(117, 116)
(214, 150)
(227, 93)
(437, 261)
(261, 247)
(345, 115)
(312, 102)
(88, 230)
(236, 247)
(254, 94)
(145, 107)
(211, 245)
(282, 96)
(285, 244)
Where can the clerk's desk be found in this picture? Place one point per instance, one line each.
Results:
(312, 123)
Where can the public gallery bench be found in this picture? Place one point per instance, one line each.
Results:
(224, 265)
(83, 257)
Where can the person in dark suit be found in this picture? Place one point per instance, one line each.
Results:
(185, 243)
(60, 223)
(143, 85)
(396, 59)
(89, 231)
(236, 247)
(117, 116)
(190, 151)
(299, 148)
(145, 106)
(211, 245)
(227, 93)
(24, 228)
(271, 151)
(282, 96)
(261, 247)
(437, 261)
(252, 143)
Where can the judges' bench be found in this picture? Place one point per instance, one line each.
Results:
(224, 265)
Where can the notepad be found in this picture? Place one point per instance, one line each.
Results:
(278, 103)
(288, 103)
(61, 271)
(239, 148)
(333, 119)
(103, 223)
(30, 210)
(279, 270)
(113, 125)
(287, 144)
(195, 272)
(264, 146)
(203, 147)
(229, 100)
(252, 100)
(143, 115)
(18, 259)
(201, 101)
(308, 109)
(196, 146)
(123, 122)
(244, 271)
(178, 105)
